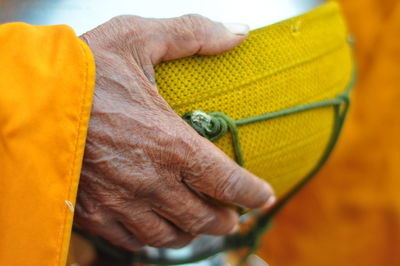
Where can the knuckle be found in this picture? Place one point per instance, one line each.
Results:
(127, 28)
(162, 239)
(202, 224)
(96, 219)
(92, 223)
(185, 208)
(181, 242)
(124, 18)
(118, 21)
(156, 235)
(119, 18)
(88, 216)
(167, 242)
(193, 20)
(196, 24)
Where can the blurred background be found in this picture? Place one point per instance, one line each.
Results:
(350, 213)
(87, 14)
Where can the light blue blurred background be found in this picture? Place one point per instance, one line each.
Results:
(84, 15)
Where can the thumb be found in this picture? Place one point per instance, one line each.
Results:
(193, 34)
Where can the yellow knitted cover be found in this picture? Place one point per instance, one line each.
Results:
(301, 60)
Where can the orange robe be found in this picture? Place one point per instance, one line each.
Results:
(46, 88)
(349, 215)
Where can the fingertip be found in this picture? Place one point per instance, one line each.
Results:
(233, 34)
(268, 196)
(233, 220)
(234, 229)
(262, 192)
(228, 221)
(271, 201)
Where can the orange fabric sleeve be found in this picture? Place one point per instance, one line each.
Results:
(46, 87)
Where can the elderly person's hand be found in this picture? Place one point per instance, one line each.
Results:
(142, 161)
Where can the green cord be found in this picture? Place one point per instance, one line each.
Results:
(219, 123)
(213, 126)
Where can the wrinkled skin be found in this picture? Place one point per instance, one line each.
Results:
(142, 162)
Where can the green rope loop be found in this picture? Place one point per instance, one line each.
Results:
(214, 126)
(210, 126)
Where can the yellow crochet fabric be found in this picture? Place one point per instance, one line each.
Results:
(301, 60)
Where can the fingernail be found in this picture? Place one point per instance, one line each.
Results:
(271, 200)
(235, 229)
(237, 28)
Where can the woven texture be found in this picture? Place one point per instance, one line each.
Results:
(301, 60)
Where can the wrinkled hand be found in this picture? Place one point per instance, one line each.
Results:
(142, 161)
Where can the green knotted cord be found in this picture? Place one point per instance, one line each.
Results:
(213, 126)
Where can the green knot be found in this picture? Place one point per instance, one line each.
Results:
(213, 126)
